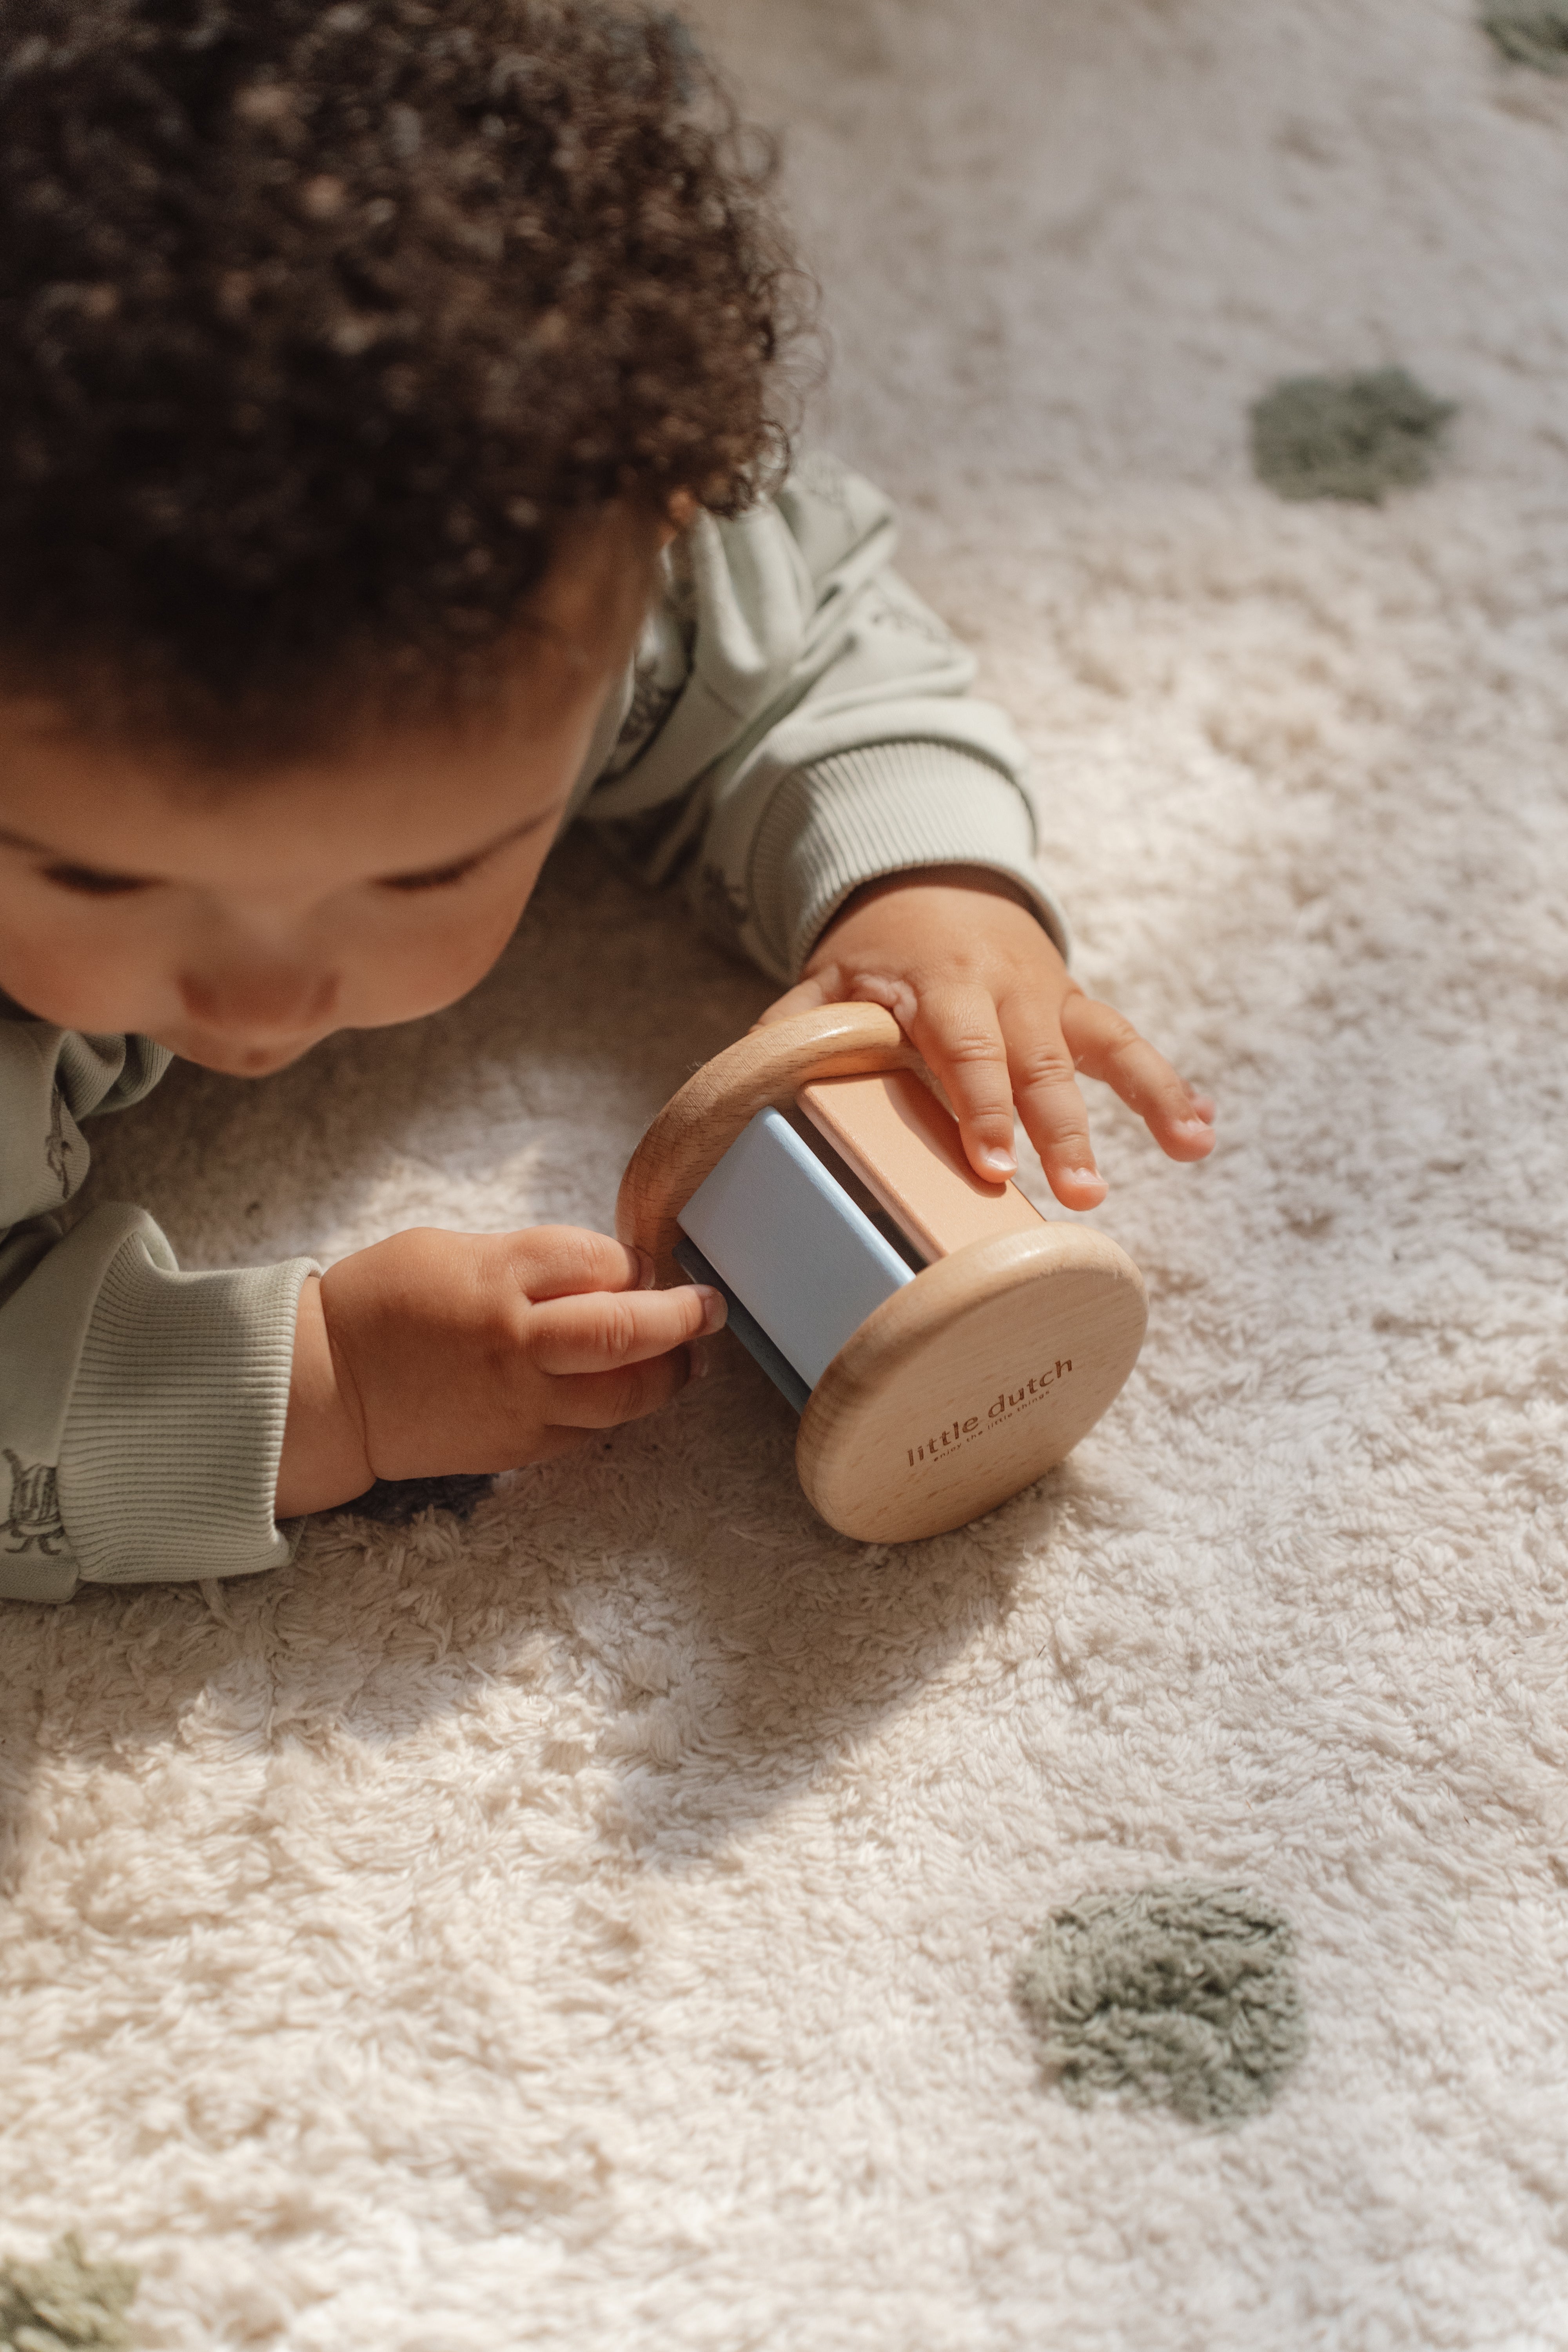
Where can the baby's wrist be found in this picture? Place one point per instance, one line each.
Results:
(993, 880)
(908, 913)
(323, 1461)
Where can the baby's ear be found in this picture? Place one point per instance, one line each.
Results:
(677, 514)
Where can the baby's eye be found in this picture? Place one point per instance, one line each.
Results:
(89, 884)
(439, 878)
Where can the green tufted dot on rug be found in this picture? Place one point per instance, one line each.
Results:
(66, 2302)
(1182, 1994)
(1346, 437)
(1530, 32)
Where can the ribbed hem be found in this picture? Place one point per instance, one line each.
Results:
(169, 1462)
(887, 808)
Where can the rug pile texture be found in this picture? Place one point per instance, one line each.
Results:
(593, 1926)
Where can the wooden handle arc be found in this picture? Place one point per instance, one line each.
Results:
(696, 1125)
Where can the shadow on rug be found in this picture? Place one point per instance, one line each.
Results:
(397, 1502)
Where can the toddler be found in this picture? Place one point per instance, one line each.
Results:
(389, 474)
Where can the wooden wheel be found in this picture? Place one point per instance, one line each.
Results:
(970, 1382)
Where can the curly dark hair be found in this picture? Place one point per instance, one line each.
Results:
(319, 323)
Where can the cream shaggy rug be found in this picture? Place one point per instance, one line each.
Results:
(593, 1927)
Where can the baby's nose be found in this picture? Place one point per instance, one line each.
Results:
(259, 1002)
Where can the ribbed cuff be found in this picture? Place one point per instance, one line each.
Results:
(169, 1460)
(885, 808)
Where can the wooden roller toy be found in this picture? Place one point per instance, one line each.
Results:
(941, 1341)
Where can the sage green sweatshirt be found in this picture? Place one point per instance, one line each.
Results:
(794, 723)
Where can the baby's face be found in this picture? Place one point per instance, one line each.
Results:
(240, 922)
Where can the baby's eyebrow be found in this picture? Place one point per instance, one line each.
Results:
(470, 856)
(486, 849)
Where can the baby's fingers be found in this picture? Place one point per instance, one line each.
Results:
(957, 1031)
(604, 1399)
(554, 1261)
(604, 1330)
(1049, 1103)
(1107, 1046)
(805, 996)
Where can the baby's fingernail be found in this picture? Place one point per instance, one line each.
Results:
(1195, 1130)
(715, 1307)
(697, 1359)
(1084, 1179)
(998, 1163)
(646, 1274)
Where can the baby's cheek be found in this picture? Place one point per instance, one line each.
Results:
(80, 974)
(426, 964)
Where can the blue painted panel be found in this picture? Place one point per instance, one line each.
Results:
(744, 1325)
(787, 1239)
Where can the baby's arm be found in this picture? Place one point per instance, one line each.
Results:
(861, 825)
(141, 1408)
(976, 983)
(157, 1424)
(434, 1353)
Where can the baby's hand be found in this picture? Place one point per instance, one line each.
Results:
(434, 1353)
(978, 989)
